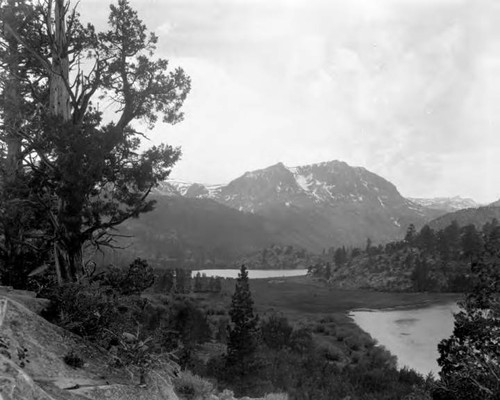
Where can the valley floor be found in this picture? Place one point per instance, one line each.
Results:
(304, 295)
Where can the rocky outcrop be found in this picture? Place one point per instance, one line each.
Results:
(32, 363)
(26, 298)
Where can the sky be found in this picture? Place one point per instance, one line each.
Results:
(408, 89)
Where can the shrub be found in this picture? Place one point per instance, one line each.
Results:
(105, 302)
(138, 354)
(276, 396)
(132, 281)
(276, 332)
(81, 308)
(319, 328)
(341, 334)
(353, 342)
(372, 380)
(379, 357)
(330, 353)
(226, 395)
(328, 319)
(418, 394)
(301, 340)
(73, 360)
(410, 376)
(192, 387)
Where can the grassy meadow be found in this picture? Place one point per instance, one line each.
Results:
(307, 296)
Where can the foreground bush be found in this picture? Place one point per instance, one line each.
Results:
(82, 308)
(133, 280)
(107, 309)
(192, 387)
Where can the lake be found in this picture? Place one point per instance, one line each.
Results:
(410, 334)
(252, 273)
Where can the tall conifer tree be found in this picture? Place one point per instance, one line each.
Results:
(87, 175)
(243, 338)
(470, 358)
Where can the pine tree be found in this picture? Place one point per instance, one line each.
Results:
(411, 234)
(21, 250)
(340, 256)
(471, 242)
(426, 239)
(87, 176)
(452, 235)
(197, 283)
(243, 337)
(470, 358)
(217, 285)
(328, 272)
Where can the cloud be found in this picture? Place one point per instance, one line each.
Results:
(406, 88)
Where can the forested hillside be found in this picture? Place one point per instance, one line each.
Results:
(195, 233)
(476, 216)
(280, 257)
(426, 260)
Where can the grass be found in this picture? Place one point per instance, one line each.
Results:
(304, 295)
(310, 303)
(314, 305)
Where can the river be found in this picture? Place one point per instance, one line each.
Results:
(252, 273)
(410, 334)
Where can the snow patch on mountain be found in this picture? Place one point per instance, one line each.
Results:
(302, 182)
(448, 204)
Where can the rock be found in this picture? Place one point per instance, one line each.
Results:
(226, 395)
(157, 388)
(15, 384)
(32, 365)
(26, 298)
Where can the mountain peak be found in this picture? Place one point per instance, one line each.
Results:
(330, 182)
(279, 167)
(317, 204)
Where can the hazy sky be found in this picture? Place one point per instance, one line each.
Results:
(409, 89)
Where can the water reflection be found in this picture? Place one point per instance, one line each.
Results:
(411, 335)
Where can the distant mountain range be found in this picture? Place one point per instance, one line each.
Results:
(447, 204)
(475, 216)
(495, 204)
(331, 202)
(313, 207)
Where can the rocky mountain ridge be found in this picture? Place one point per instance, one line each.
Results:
(448, 204)
(327, 182)
(312, 207)
(332, 182)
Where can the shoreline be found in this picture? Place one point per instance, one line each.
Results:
(412, 335)
(413, 306)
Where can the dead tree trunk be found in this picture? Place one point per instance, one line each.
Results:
(59, 76)
(67, 255)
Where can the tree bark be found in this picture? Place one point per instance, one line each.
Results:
(59, 76)
(13, 166)
(12, 95)
(66, 260)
